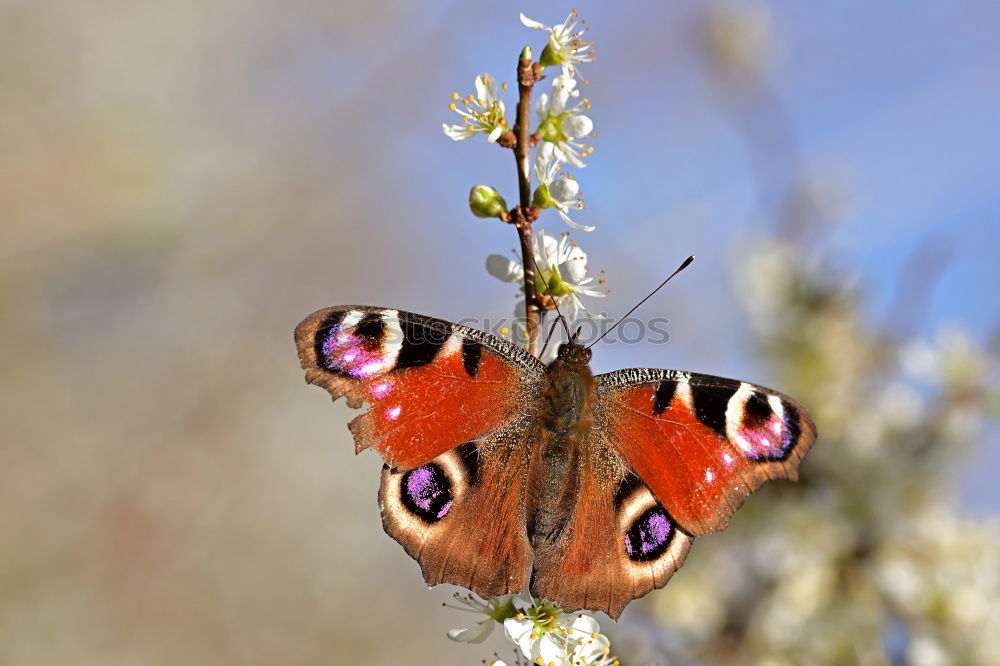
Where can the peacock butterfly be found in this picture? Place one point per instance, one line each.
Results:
(503, 474)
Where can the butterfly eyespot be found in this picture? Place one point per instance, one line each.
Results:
(426, 492)
(649, 536)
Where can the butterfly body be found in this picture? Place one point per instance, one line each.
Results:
(568, 396)
(503, 474)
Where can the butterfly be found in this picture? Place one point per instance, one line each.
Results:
(503, 474)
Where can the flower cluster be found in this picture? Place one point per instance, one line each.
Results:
(544, 634)
(562, 268)
(559, 136)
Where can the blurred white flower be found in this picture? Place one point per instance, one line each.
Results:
(481, 114)
(739, 38)
(767, 278)
(555, 189)
(564, 125)
(950, 360)
(504, 268)
(566, 45)
(493, 612)
(925, 650)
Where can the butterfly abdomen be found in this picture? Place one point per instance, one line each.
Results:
(569, 393)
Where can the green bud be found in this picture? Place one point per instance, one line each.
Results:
(526, 53)
(484, 201)
(549, 57)
(541, 198)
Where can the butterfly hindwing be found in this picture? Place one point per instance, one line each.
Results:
(461, 516)
(618, 543)
(702, 443)
(431, 384)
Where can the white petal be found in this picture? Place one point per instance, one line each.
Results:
(549, 151)
(547, 249)
(592, 649)
(558, 103)
(515, 628)
(494, 135)
(534, 25)
(564, 189)
(583, 624)
(574, 159)
(577, 126)
(456, 132)
(552, 649)
(567, 83)
(575, 225)
(577, 254)
(504, 268)
(573, 270)
(542, 107)
(486, 89)
(476, 634)
(571, 307)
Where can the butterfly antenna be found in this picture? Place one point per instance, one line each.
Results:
(548, 337)
(687, 262)
(538, 274)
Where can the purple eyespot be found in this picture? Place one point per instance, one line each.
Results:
(358, 350)
(649, 536)
(426, 492)
(767, 431)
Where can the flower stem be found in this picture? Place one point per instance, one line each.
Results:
(526, 76)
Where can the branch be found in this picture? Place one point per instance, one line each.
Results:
(527, 74)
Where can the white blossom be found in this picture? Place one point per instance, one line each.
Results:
(566, 45)
(482, 113)
(546, 635)
(563, 273)
(493, 611)
(556, 189)
(562, 124)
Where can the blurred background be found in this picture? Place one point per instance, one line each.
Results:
(181, 183)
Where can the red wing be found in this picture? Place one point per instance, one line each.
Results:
(431, 384)
(701, 443)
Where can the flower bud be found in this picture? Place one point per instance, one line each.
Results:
(484, 201)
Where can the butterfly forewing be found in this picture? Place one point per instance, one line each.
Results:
(702, 443)
(431, 384)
